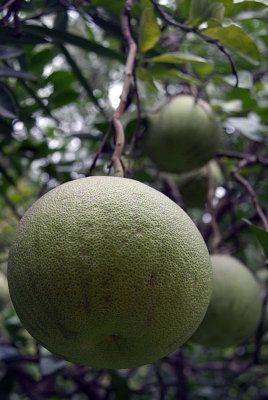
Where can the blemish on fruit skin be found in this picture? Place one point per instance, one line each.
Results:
(152, 277)
(113, 336)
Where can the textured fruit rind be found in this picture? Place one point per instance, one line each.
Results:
(108, 272)
(182, 135)
(235, 307)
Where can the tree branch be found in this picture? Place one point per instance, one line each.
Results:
(173, 190)
(119, 130)
(206, 38)
(242, 164)
(135, 135)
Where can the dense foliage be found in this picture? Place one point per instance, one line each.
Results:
(61, 75)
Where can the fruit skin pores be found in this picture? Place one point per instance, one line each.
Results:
(183, 134)
(108, 272)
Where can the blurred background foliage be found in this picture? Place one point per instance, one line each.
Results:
(61, 74)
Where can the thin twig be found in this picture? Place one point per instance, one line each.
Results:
(100, 149)
(206, 38)
(6, 5)
(242, 164)
(252, 158)
(119, 130)
(79, 75)
(173, 189)
(137, 128)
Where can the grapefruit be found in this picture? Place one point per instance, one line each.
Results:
(235, 307)
(108, 272)
(182, 135)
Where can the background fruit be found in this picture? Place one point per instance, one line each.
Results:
(193, 185)
(235, 307)
(109, 272)
(182, 135)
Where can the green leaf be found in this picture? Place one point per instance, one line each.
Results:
(184, 7)
(10, 72)
(8, 52)
(149, 31)
(205, 10)
(144, 75)
(8, 107)
(40, 103)
(80, 77)
(235, 38)
(111, 27)
(61, 20)
(7, 37)
(246, 6)
(66, 37)
(248, 126)
(216, 12)
(38, 60)
(199, 10)
(228, 4)
(261, 235)
(60, 79)
(63, 98)
(160, 72)
(178, 58)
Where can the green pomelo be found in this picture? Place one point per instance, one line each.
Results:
(182, 135)
(235, 307)
(194, 185)
(108, 272)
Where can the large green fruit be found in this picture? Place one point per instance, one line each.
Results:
(108, 272)
(235, 307)
(182, 134)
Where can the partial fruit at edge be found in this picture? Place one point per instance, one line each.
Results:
(234, 310)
